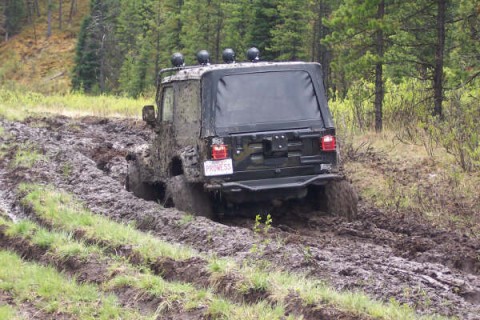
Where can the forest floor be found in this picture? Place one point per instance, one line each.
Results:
(396, 258)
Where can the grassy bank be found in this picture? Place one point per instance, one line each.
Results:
(17, 105)
(63, 211)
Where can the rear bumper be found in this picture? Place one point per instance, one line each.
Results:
(274, 183)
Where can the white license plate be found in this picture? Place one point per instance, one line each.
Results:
(218, 167)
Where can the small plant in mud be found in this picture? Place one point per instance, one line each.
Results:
(307, 254)
(261, 228)
(27, 156)
(66, 169)
(186, 219)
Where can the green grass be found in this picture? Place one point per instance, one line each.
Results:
(52, 292)
(18, 104)
(170, 293)
(26, 156)
(64, 212)
(8, 312)
(61, 210)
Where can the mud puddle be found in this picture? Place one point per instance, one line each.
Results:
(385, 256)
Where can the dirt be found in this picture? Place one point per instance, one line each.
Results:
(27, 310)
(296, 307)
(384, 255)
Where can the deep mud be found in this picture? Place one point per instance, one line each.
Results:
(386, 256)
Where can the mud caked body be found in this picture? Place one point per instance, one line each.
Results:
(238, 133)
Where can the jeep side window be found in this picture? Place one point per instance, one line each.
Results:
(167, 104)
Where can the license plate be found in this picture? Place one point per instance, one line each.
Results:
(218, 167)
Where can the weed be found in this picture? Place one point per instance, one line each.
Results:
(8, 312)
(53, 292)
(260, 227)
(27, 156)
(66, 169)
(186, 219)
(307, 254)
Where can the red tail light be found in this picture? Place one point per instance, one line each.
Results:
(219, 151)
(328, 143)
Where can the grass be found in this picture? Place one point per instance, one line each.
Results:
(191, 298)
(61, 210)
(406, 178)
(17, 105)
(52, 292)
(8, 312)
(26, 156)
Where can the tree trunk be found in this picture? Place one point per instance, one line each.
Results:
(36, 7)
(379, 93)
(439, 50)
(49, 19)
(101, 80)
(60, 14)
(73, 10)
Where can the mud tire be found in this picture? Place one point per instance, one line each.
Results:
(341, 199)
(189, 197)
(134, 184)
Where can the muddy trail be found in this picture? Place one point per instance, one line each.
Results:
(386, 256)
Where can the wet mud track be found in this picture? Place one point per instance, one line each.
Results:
(388, 257)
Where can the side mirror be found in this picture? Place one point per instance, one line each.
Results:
(148, 115)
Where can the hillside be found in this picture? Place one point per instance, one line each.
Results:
(33, 61)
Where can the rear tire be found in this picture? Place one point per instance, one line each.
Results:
(341, 199)
(189, 197)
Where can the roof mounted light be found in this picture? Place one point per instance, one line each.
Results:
(253, 54)
(178, 60)
(203, 57)
(228, 55)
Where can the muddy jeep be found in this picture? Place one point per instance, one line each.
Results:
(229, 134)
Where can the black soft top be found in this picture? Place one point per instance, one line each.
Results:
(284, 95)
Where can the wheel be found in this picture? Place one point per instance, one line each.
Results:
(189, 197)
(341, 199)
(135, 184)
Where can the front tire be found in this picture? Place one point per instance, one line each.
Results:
(189, 197)
(141, 189)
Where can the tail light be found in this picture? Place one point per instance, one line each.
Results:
(328, 143)
(219, 151)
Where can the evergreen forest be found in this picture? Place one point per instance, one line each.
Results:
(392, 63)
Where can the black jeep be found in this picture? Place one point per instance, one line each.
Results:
(234, 133)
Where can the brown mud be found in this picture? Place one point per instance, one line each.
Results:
(386, 256)
(27, 310)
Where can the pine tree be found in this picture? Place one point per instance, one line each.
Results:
(420, 43)
(289, 34)
(464, 55)
(360, 34)
(14, 12)
(238, 19)
(202, 28)
(265, 18)
(85, 72)
(3, 21)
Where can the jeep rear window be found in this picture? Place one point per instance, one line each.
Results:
(267, 97)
